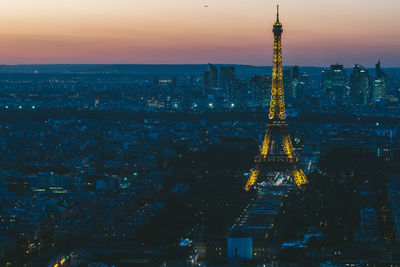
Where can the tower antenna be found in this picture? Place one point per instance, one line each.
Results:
(277, 13)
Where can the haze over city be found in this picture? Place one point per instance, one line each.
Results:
(198, 31)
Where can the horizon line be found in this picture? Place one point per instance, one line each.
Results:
(178, 64)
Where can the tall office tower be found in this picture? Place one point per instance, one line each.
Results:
(276, 154)
(380, 86)
(287, 84)
(360, 86)
(295, 73)
(304, 85)
(235, 93)
(206, 83)
(261, 89)
(299, 88)
(226, 75)
(214, 75)
(334, 85)
(287, 78)
(304, 77)
(295, 83)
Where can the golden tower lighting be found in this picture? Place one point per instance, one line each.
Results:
(276, 153)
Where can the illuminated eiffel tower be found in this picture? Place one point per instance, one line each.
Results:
(276, 153)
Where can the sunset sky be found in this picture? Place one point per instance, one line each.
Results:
(316, 32)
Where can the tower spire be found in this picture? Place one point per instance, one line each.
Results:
(277, 13)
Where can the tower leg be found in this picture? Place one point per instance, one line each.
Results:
(299, 177)
(266, 142)
(252, 180)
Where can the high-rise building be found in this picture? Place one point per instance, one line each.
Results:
(304, 77)
(379, 92)
(287, 78)
(334, 84)
(235, 93)
(360, 86)
(380, 86)
(227, 75)
(297, 85)
(295, 73)
(287, 84)
(213, 75)
(299, 89)
(294, 83)
(206, 83)
(261, 89)
(378, 71)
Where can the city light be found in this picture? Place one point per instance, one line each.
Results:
(277, 163)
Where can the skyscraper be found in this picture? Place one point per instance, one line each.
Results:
(235, 93)
(295, 73)
(295, 82)
(261, 89)
(214, 75)
(226, 75)
(301, 88)
(287, 84)
(304, 77)
(206, 83)
(297, 85)
(360, 86)
(380, 86)
(378, 71)
(334, 84)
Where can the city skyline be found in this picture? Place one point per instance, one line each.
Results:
(196, 165)
(198, 32)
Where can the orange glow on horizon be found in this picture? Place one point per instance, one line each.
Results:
(155, 31)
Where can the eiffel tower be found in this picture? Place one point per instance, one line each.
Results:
(276, 153)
